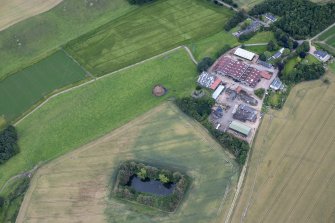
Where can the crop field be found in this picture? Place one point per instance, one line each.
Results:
(327, 40)
(25, 88)
(13, 11)
(75, 187)
(33, 39)
(77, 117)
(143, 33)
(291, 176)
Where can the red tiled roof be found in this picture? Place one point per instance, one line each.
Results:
(266, 75)
(215, 84)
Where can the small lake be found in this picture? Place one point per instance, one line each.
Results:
(151, 186)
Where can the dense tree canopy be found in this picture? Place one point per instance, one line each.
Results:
(299, 18)
(8, 144)
(204, 64)
(305, 72)
(235, 20)
(139, 2)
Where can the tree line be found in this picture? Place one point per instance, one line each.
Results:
(299, 18)
(304, 72)
(200, 109)
(8, 144)
(139, 2)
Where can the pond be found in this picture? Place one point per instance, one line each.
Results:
(151, 186)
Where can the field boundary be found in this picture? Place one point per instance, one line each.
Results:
(188, 51)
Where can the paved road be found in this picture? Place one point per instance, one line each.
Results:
(256, 44)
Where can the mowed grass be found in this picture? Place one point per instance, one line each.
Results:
(247, 4)
(142, 33)
(261, 37)
(32, 39)
(75, 187)
(291, 175)
(77, 117)
(25, 88)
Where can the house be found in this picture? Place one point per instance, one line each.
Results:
(321, 55)
(270, 17)
(265, 64)
(277, 84)
(253, 27)
(244, 54)
(278, 54)
(240, 128)
(217, 92)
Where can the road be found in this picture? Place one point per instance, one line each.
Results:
(329, 27)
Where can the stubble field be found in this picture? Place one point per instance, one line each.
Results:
(74, 188)
(291, 176)
(13, 11)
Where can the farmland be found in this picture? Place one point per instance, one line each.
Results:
(327, 40)
(164, 137)
(25, 88)
(290, 176)
(37, 37)
(13, 11)
(86, 113)
(143, 33)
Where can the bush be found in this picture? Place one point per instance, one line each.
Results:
(2, 202)
(204, 64)
(262, 57)
(246, 36)
(235, 20)
(139, 2)
(304, 72)
(260, 93)
(222, 51)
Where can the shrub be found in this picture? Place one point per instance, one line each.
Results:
(204, 64)
(8, 144)
(260, 92)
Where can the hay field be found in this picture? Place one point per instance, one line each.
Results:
(152, 29)
(74, 188)
(13, 11)
(22, 90)
(291, 176)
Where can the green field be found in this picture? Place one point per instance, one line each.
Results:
(143, 33)
(256, 49)
(77, 117)
(289, 66)
(310, 59)
(34, 38)
(327, 40)
(261, 37)
(163, 137)
(25, 88)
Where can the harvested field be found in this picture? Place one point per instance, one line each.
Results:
(23, 89)
(152, 29)
(13, 11)
(74, 188)
(291, 176)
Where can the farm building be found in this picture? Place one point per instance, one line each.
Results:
(217, 92)
(208, 80)
(237, 70)
(245, 113)
(321, 55)
(265, 64)
(276, 84)
(266, 75)
(240, 128)
(253, 27)
(244, 54)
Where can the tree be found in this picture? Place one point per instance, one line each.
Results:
(235, 20)
(302, 54)
(223, 50)
(260, 92)
(142, 174)
(204, 64)
(262, 57)
(8, 143)
(163, 178)
(271, 46)
(139, 2)
(2, 202)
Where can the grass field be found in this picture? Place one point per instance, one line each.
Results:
(74, 188)
(13, 11)
(77, 117)
(327, 40)
(261, 37)
(291, 175)
(34, 38)
(25, 88)
(247, 4)
(256, 49)
(143, 33)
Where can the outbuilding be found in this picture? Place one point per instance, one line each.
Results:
(240, 128)
(244, 54)
(217, 92)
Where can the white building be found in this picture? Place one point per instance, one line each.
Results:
(244, 54)
(217, 92)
